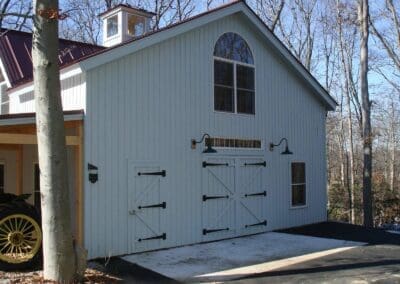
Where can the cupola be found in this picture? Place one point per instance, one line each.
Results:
(123, 23)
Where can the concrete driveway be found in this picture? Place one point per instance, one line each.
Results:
(328, 261)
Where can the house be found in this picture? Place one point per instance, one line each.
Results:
(141, 177)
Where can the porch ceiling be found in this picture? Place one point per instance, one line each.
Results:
(20, 129)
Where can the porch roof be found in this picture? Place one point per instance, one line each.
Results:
(29, 118)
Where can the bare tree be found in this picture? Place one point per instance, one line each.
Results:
(15, 14)
(363, 13)
(299, 34)
(58, 253)
(270, 11)
(183, 9)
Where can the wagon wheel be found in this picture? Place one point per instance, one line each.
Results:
(20, 237)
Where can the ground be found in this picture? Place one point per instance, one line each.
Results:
(377, 261)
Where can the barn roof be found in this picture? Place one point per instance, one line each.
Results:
(16, 46)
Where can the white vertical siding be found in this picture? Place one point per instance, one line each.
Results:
(72, 94)
(146, 107)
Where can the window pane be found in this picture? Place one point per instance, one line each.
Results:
(298, 195)
(298, 173)
(112, 26)
(233, 46)
(223, 73)
(135, 25)
(223, 99)
(245, 77)
(245, 102)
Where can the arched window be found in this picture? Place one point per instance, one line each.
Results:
(234, 86)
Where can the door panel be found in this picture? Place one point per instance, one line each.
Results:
(218, 177)
(146, 207)
(251, 195)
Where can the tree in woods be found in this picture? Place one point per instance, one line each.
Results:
(363, 12)
(15, 14)
(58, 251)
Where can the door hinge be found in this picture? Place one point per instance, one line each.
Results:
(205, 231)
(205, 197)
(162, 205)
(263, 223)
(206, 164)
(264, 193)
(160, 237)
(264, 164)
(162, 173)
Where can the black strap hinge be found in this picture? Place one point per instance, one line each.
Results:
(263, 223)
(160, 237)
(264, 193)
(264, 164)
(205, 231)
(205, 197)
(161, 205)
(206, 164)
(163, 173)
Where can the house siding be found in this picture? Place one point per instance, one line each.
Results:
(147, 106)
(72, 93)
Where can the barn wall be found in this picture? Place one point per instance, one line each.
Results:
(148, 106)
(73, 96)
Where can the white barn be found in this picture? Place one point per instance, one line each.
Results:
(132, 109)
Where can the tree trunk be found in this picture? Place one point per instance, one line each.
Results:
(58, 252)
(366, 114)
(346, 67)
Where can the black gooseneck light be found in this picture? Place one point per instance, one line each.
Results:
(209, 148)
(286, 151)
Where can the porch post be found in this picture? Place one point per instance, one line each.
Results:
(19, 173)
(79, 184)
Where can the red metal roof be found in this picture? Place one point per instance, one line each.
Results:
(16, 48)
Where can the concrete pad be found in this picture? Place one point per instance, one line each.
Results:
(230, 259)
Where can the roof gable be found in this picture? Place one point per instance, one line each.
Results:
(16, 54)
(116, 52)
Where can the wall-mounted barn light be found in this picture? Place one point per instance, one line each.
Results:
(93, 173)
(209, 148)
(286, 152)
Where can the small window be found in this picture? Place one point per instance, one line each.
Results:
(234, 83)
(112, 26)
(135, 25)
(298, 184)
(234, 143)
(2, 177)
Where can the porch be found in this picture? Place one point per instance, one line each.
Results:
(19, 170)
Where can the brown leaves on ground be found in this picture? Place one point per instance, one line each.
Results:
(91, 276)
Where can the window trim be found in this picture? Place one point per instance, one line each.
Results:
(291, 184)
(235, 112)
(2, 162)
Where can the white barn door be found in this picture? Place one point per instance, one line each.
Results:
(251, 195)
(233, 197)
(218, 210)
(147, 207)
